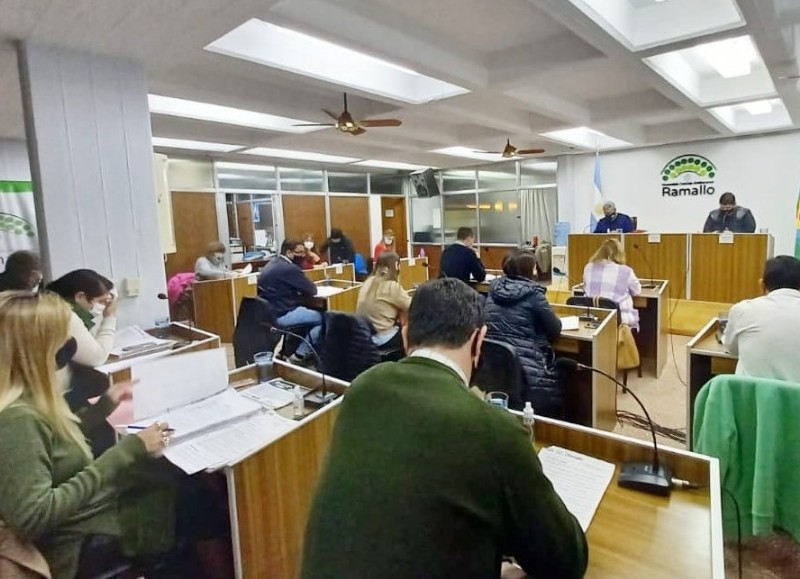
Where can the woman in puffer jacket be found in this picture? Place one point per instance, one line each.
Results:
(517, 313)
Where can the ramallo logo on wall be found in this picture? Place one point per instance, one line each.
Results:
(688, 175)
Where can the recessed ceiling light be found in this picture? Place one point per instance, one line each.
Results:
(390, 165)
(586, 138)
(762, 107)
(194, 145)
(162, 105)
(468, 153)
(278, 47)
(753, 116)
(731, 57)
(299, 155)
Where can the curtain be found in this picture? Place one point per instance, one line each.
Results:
(539, 213)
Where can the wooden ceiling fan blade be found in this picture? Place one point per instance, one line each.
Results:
(381, 123)
(529, 151)
(357, 131)
(335, 117)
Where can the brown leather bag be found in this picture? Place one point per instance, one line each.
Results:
(627, 352)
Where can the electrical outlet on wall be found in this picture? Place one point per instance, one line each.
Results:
(132, 287)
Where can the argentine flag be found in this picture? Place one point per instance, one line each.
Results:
(597, 195)
(797, 234)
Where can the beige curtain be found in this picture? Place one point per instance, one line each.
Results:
(539, 213)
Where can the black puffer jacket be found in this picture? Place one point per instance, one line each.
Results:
(517, 313)
(347, 348)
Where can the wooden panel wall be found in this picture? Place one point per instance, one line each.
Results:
(492, 257)
(351, 215)
(666, 259)
(727, 272)
(244, 221)
(434, 255)
(396, 223)
(195, 218)
(305, 213)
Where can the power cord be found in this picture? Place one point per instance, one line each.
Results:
(640, 422)
(672, 313)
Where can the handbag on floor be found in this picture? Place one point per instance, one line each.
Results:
(627, 352)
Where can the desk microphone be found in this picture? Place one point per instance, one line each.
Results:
(652, 284)
(323, 397)
(654, 477)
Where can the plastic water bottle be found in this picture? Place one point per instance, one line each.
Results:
(529, 418)
(298, 402)
(422, 253)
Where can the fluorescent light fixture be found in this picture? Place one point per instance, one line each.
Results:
(468, 153)
(731, 57)
(244, 167)
(586, 138)
(175, 107)
(278, 47)
(544, 167)
(194, 145)
(299, 155)
(390, 165)
(753, 116)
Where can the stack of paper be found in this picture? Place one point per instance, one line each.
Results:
(134, 341)
(326, 291)
(570, 323)
(578, 479)
(269, 395)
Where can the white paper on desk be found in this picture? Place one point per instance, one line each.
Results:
(246, 270)
(653, 238)
(490, 277)
(569, 323)
(227, 445)
(412, 262)
(176, 381)
(133, 337)
(269, 395)
(578, 479)
(726, 237)
(339, 269)
(326, 291)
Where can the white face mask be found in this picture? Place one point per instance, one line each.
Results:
(218, 258)
(97, 309)
(308, 244)
(388, 240)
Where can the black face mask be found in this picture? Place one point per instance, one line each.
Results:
(298, 259)
(66, 353)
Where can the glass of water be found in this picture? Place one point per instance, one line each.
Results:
(263, 362)
(497, 399)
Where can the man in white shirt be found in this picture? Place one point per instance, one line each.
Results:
(765, 332)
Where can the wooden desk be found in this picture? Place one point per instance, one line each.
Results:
(120, 370)
(216, 303)
(343, 272)
(591, 399)
(633, 535)
(413, 272)
(482, 287)
(705, 358)
(343, 296)
(660, 256)
(728, 272)
(580, 248)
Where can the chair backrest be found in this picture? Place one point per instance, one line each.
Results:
(587, 302)
(347, 347)
(500, 370)
(251, 335)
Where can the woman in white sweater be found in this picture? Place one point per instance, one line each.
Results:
(94, 313)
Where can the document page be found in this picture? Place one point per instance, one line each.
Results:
(133, 340)
(269, 395)
(578, 479)
(175, 381)
(570, 323)
(229, 444)
(326, 291)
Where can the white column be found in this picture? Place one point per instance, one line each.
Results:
(89, 141)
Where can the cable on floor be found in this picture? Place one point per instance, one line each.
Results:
(640, 422)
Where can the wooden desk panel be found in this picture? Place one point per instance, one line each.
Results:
(216, 303)
(433, 253)
(347, 273)
(580, 248)
(728, 272)
(344, 301)
(492, 256)
(667, 259)
(413, 275)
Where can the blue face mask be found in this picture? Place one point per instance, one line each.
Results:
(66, 353)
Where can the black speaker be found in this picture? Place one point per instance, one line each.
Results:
(425, 183)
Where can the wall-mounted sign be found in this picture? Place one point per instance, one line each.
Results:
(688, 175)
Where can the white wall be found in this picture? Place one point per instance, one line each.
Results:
(88, 127)
(14, 164)
(763, 173)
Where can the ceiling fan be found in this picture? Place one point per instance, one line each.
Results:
(511, 151)
(346, 124)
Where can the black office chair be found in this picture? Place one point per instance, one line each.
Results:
(500, 370)
(347, 348)
(252, 334)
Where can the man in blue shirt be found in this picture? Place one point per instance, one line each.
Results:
(613, 221)
(461, 260)
(284, 285)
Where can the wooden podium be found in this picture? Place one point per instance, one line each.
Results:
(342, 272)
(580, 248)
(663, 256)
(728, 272)
(216, 303)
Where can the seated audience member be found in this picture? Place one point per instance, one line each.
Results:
(382, 300)
(284, 285)
(23, 272)
(613, 221)
(212, 264)
(461, 260)
(339, 248)
(730, 217)
(384, 245)
(453, 482)
(607, 276)
(89, 295)
(763, 332)
(517, 313)
(311, 258)
(52, 491)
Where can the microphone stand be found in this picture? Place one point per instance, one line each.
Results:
(324, 397)
(653, 477)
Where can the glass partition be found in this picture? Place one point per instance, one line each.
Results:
(243, 176)
(499, 214)
(251, 221)
(387, 183)
(458, 180)
(347, 182)
(459, 211)
(537, 173)
(293, 179)
(426, 219)
(498, 176)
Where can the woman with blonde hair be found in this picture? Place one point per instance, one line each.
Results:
(607, 276)
(52, 492)
(383, 300)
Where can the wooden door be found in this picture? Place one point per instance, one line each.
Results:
(244, 221)
(393, 216)
(351, 215)
(304, 214)
(195, 219)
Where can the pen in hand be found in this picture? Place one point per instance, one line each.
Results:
(138, 427)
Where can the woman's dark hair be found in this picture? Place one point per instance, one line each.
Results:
(520, 263)
(87, 281)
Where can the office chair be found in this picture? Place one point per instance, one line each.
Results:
(252, 335)
(606, 304)
(347, 348)
(500, 370)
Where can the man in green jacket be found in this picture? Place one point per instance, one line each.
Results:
(425, 480)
